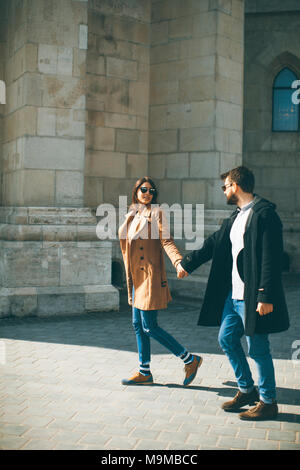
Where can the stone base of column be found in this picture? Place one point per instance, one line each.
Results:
(52, 263)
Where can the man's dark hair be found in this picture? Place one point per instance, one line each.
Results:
(242, 176)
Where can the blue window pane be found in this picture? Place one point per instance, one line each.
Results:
(285, 112)
(285, 78)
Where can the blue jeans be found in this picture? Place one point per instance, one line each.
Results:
(146, 327)
(231, 331)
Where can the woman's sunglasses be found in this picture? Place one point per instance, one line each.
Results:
(144, 190)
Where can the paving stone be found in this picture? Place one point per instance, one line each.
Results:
(61, 390)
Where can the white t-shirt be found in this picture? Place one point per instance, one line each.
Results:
(237, 241)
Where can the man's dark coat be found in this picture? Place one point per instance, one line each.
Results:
(259, 265)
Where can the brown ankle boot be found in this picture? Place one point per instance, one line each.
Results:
(240, 400)
(261, 411)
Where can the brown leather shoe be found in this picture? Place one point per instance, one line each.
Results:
(192, 369)
(260, 412)
(139, 379)
(240, 400)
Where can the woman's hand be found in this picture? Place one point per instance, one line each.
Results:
(181, 273)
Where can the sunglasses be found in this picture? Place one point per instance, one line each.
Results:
(226, 187)
(144, 190)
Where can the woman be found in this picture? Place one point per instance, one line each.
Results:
(142, 237)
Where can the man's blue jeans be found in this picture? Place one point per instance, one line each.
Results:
(230, 334)
(146, 327)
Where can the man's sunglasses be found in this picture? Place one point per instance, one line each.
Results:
(144, 190)
(226, 187)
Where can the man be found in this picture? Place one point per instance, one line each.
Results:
(244, 293)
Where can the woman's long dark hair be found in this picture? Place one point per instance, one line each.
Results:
(144, 179)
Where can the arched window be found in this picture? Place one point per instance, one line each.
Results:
(285, 112)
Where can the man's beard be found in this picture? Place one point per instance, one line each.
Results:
(232, 200)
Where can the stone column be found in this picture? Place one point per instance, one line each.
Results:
(196, 97)
(196, 106)
(52, 261)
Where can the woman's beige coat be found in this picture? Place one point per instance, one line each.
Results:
(143, 236)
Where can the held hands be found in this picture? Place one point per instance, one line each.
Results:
(181, 273)
(263, 308)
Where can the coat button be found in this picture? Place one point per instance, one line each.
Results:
(141, 248)
(142, 257)
(142, 269)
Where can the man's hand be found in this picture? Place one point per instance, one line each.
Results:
(181, 272)
(263, 308)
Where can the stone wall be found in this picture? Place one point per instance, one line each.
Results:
(117, 98)
(44, 123)
(3, 23)
(272, 35)
(196, 97)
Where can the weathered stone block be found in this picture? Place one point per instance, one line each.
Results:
(54, 304)
(95, 64)
(69, 188)
(204, 165)
(195, 139)
(47, 58)
(106, 164)
(202, 66)
(205, 24)
(129, 30)
(229, 116)
(196, 89)
(177, 165)
(37, 187)
(127, 140)
(24, 303)
(114, 187)
(29, 265)
(165, 92)
(162, 141)
(65, 61)
(53, 153)
(126, 69)
(93, 191)
(229, 141)
(164, 53)
(169, 70)
(193, 192)
(101, 138)
(138, 98)
(67, 125)
(181, 28)
(159, 33)
(170, 191)
(137, 165)
(63, 92)
(229, 68)
(157, 164)
(101, 298)
(21, 122)
(198, 47)
(46, 122)
(123, 121)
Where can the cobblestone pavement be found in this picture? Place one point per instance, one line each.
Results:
(60, 386)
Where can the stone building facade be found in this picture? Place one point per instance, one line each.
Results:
(101, 92)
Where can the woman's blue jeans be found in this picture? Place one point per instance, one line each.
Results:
(230, 334)
(145, 326)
